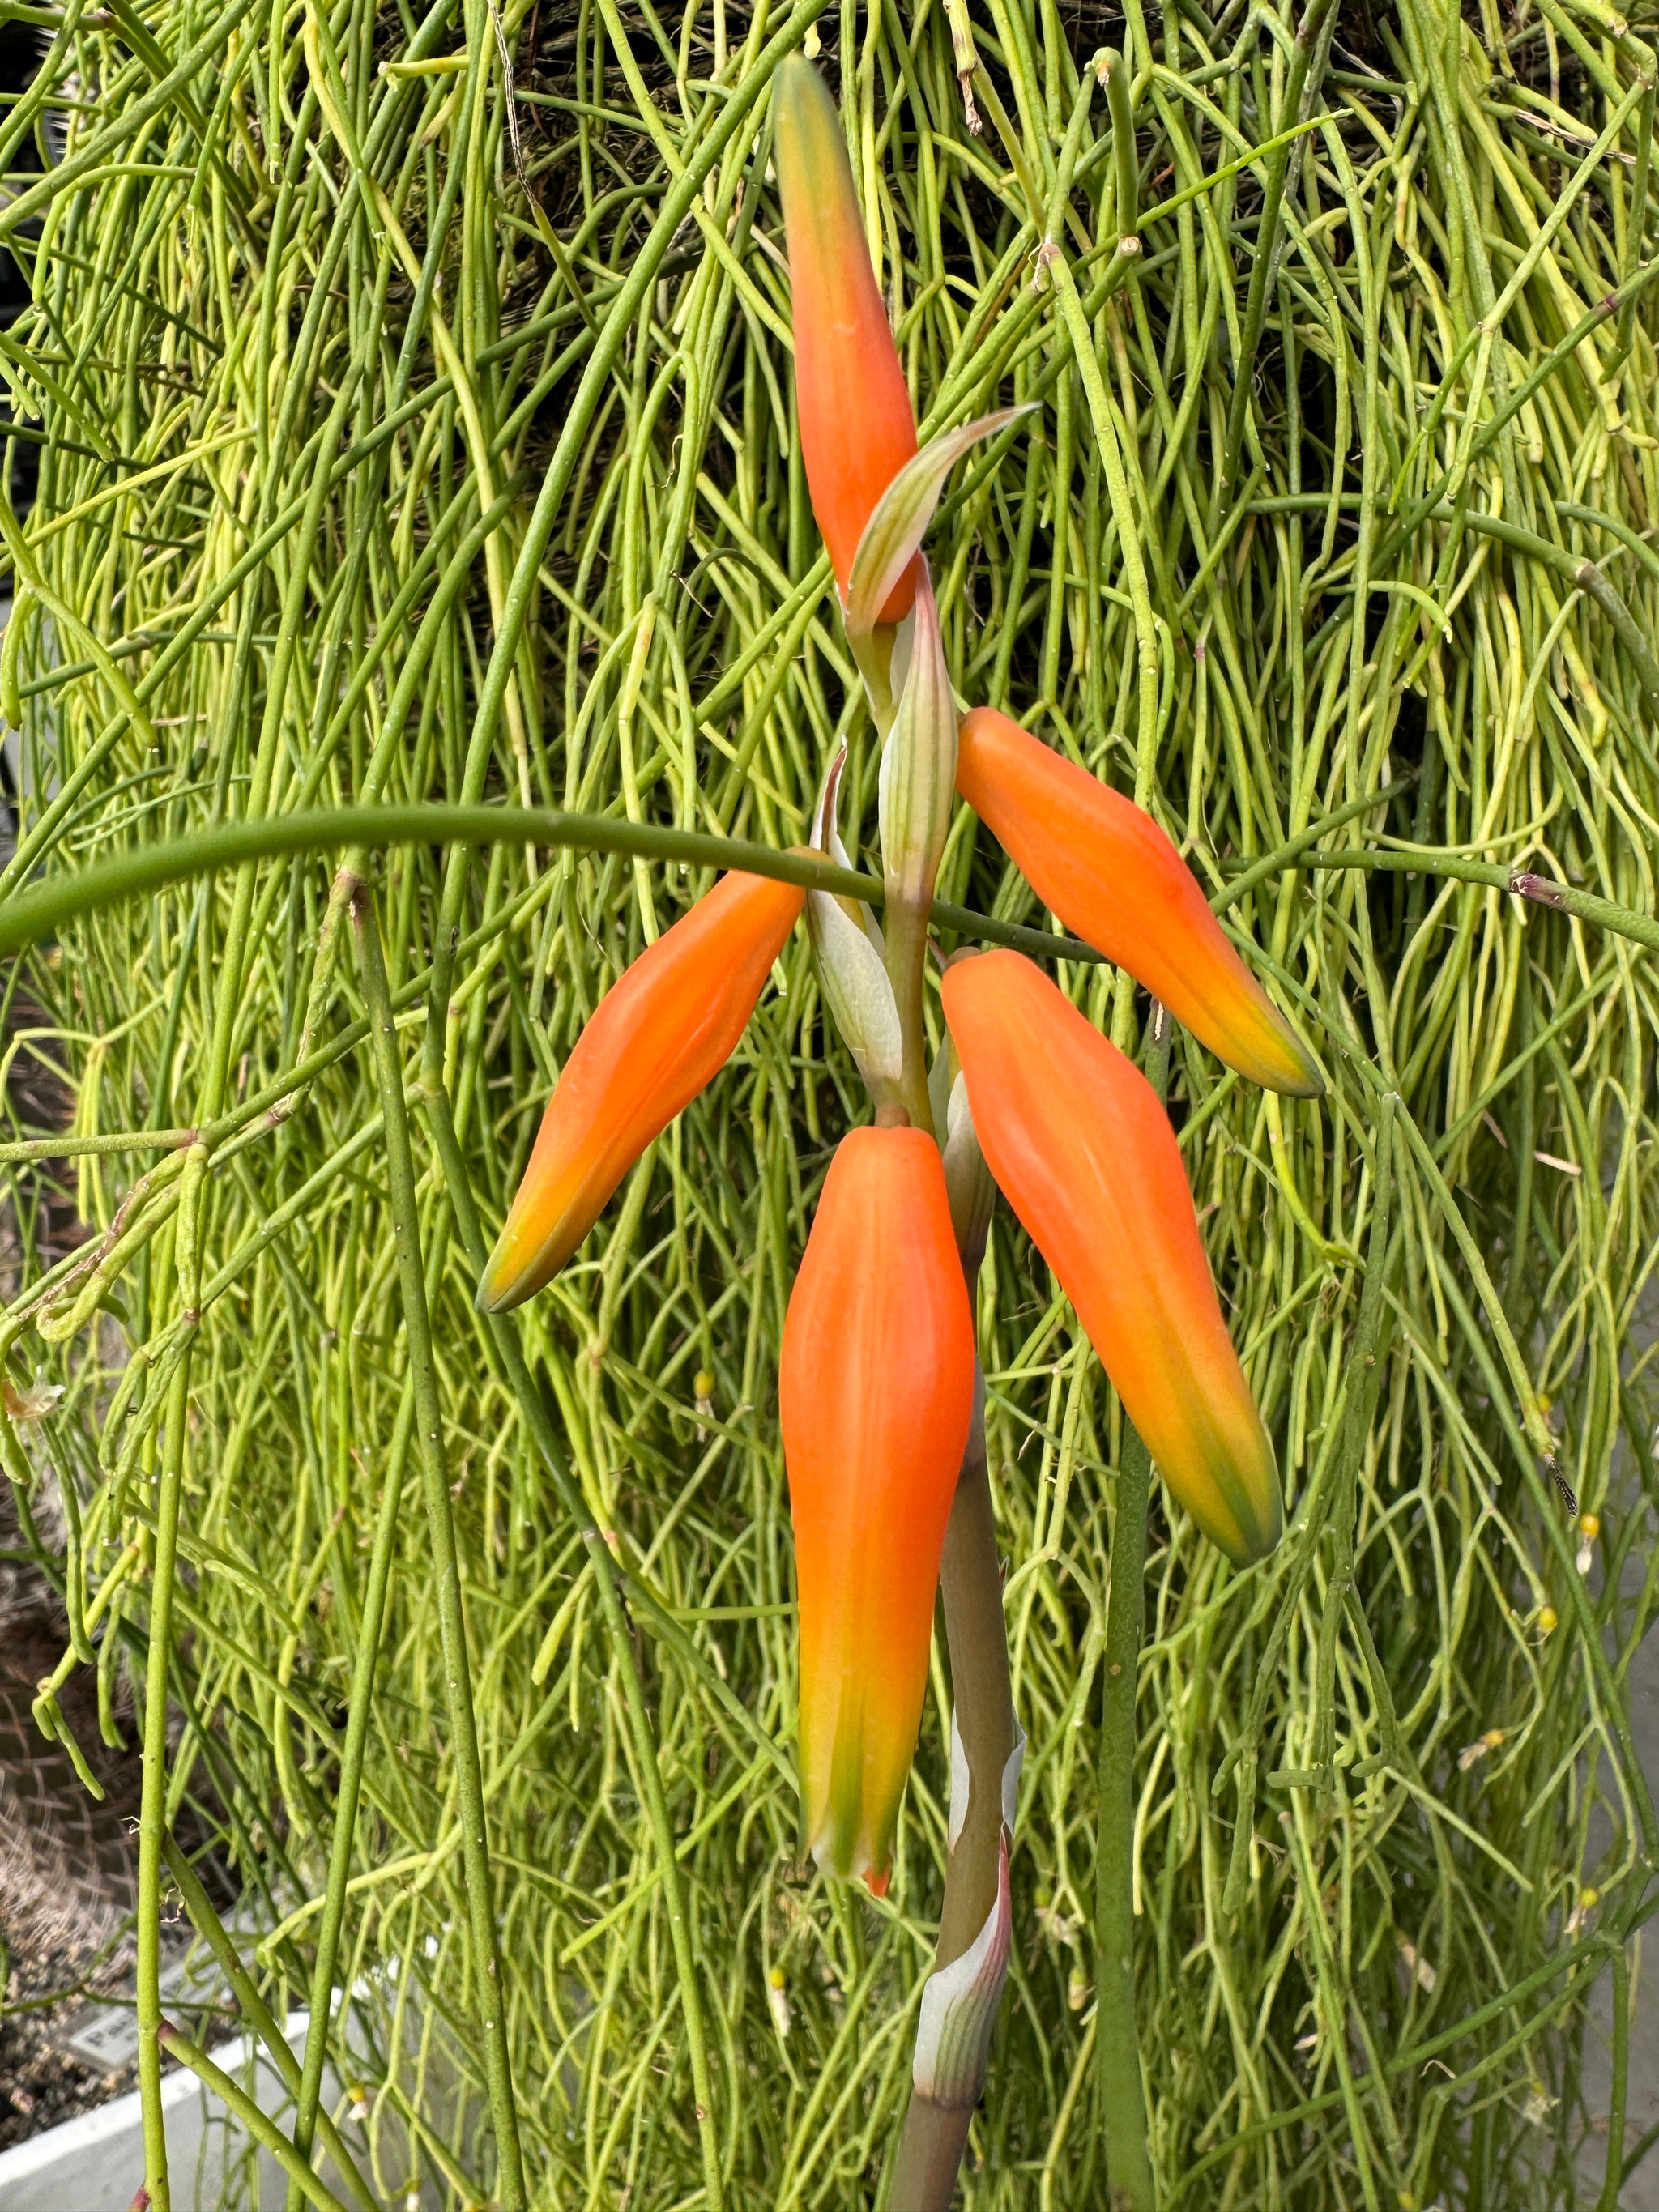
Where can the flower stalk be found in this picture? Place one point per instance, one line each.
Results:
(987, 1742)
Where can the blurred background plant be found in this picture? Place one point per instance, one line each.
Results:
(413, 422)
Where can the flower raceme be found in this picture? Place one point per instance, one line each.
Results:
(1104, 866)
(1083, 1151)
(660, 1033)
(875, 1391)
(857, 429)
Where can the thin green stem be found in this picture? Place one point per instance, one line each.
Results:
(258, 2014)
(1119, 2092)
(445, 1567)
(260, 2124)
(504, 1328)
(359, 1713)
(152, 1810)
(1613, 2172)
(28, 916)
(1301, 86)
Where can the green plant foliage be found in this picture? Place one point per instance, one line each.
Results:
(412, 402)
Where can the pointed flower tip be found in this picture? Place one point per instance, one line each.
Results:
(1083, 1151)
(1307, 1082)
(497, 1292)
(1262, 1534)
(1111, 874)
(875, 1392)
(857, 426)
(662, 1032)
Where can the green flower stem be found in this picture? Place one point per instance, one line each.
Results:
(447, 1578)
(907, 967)
(970, 1577)
(930, 2156)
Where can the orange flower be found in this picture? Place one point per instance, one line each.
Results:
(1084, 1153)
(1104, 865)
(857, 429)
(659, 1033)
(875, 1389)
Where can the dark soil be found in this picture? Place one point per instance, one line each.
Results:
(41, 2082)
(66, 1861)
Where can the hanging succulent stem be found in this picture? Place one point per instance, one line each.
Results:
(1120, 2095)
(447, 1577)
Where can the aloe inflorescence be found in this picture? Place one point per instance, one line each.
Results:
(1250, 481)
(877, 1366)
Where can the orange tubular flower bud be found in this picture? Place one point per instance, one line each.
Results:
(1084, 1153)
(857, 429)
(1103, 865)
(659, 1033)
(875, 1389)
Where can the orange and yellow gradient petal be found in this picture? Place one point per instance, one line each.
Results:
(875, 1390)
(662, 1032)
(1084, 1153)
(1104, 865)
(857, 426)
